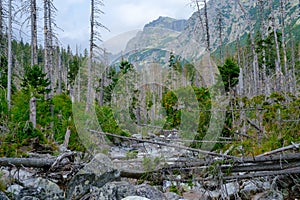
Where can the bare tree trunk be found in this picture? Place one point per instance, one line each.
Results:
(9, 53)
(50, 49)
(46, 44)
(59, 89)
(241, 74)
(32, 117)
(90, 62)
(220, 21)
(33, 9)
(1, 19)
(206, 26)
(67, 138)
(264, 70)
(278, 72)
(282, 16)
(293, 87)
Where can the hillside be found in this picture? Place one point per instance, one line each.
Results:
(225, 18)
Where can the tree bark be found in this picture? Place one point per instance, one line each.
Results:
(33, 9)
(33, 111)
(278, 71)
(9, 54)
(90, 62)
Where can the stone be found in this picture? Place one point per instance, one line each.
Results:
(296, 190)
(112, 191)
(14, 190)
(29, 198)
(196, 195)
(52, 190)
(135, 198)
(3, 196)
(229, 189)
(271, 195)
(96, 173)
(173, 196)
(250, 188)
(145, 190)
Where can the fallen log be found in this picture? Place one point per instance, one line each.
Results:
(36, 162)
(292, 146)
(166, 144)
(27, 162)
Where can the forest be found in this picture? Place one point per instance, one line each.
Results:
(48, 92)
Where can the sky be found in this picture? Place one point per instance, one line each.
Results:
(120, 16)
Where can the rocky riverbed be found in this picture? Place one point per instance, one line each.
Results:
(101, 178)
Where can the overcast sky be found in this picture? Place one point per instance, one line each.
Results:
(120, 16)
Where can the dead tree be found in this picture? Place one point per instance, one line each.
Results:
(94, 37)
(9, 54)
(278, 71)
(33, 9)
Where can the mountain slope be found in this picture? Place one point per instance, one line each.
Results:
(237, 17)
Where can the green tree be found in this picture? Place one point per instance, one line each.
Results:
(229, 73)
(35, 82)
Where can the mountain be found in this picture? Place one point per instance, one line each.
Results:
(157, 34)
(168, 23)
(187, 38)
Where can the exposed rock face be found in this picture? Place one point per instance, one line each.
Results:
(96, 173)
(168, 23)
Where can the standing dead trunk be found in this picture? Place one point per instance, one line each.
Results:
(278, 72)
(59, 89)
(67, 138)
(206, 26)
(32, 117)
(9, 54)
(282, 16)
(90, 62)
(33, 9)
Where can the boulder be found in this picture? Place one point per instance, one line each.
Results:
(29, 198)
(271, 195)
(173, 196)
(41, 189)
(96, 173)
(230, 189)
(3, 196)
(135, 198)
(250, 188)
(14, 190)
(112, 191)
(150, 192)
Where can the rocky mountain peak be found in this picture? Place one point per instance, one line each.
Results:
(168, 23)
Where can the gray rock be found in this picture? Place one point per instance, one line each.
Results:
(150, 192)
(14, 190)
(30, 192)
(271, 195)
(96, 173)
(173, 196)
(29, 198)
(253, 187)
(135, 198)
(230, 189)
(51, 189)
(296, 190)
(3, 196)
(112, 191)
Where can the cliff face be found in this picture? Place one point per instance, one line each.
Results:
(168, 23)
(230, 19)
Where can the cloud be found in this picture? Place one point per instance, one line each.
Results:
(120, 16)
